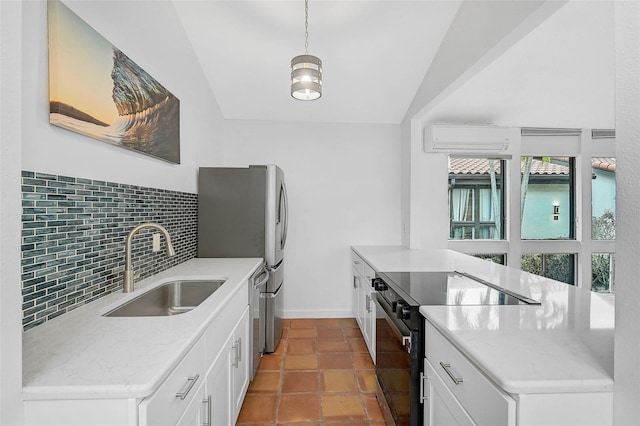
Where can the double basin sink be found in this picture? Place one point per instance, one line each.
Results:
(171, 298)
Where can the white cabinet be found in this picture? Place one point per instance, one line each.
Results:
(457, 392)
(178, 390)
(240, 363)
(207, 386)
(212, 379)
(195, 415)
(219, 383)
(229, 375)
(440, 405)
(361, 302)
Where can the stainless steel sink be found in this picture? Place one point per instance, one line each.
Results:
(172, 298)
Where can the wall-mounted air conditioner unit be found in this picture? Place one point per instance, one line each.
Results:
(464, 139)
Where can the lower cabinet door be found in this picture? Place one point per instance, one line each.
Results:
(441, 407)
(240, 363)
(218, 387)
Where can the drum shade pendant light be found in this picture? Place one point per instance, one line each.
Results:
(306, 70)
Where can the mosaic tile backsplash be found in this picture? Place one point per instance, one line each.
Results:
(73, 238)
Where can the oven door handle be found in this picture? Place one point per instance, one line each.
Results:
(400, 330)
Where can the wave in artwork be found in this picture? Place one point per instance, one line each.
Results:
(148, 115)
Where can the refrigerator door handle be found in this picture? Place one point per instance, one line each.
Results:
(262, 282)
(286, 216)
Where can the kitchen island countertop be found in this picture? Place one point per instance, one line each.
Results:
(83, 355)
(563, 345)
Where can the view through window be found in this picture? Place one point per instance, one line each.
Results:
(546, 190)
(603, 221)
(476, 198)
(548, 200)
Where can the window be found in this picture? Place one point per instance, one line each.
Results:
(602, 272)
(560, 267)
(547, 198)
(603, 198)
(476, 199)
(547, 208)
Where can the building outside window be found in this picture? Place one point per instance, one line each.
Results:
(476, 199)
(547, 198)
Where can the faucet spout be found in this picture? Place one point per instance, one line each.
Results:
(128, 283)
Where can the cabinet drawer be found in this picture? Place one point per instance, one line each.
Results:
(165, 406)
(486, 403)
(357, 263)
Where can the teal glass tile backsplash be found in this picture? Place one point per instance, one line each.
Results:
(73, 235)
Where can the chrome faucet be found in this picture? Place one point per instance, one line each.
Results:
(127, 285)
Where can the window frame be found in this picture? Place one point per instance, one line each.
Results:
(582, 145)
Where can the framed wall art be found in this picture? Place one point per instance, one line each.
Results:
(98, 91)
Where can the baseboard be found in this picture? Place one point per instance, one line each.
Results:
(301, 313)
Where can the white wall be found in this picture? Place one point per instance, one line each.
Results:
(344, 189)
(561, 74)
(627, 338)
(150, 33)
(10, 135)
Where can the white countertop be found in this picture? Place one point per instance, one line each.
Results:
(563, 345)
(82, 354)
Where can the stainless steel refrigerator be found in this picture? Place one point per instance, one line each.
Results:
(242, 212)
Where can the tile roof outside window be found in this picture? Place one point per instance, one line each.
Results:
(480, 166)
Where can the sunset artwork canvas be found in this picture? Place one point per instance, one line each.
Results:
(98, 91)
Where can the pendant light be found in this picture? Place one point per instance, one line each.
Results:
(306, 70)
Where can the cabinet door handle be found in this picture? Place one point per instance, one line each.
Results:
(236, 353)
(191, 381)
(355, 284)
(208, 411)
(447, 367)
(239, 349)
(423, 388)
(368, 303)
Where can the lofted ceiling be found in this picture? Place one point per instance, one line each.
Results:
(375, 55)
(384, 59)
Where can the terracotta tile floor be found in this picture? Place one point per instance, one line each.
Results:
(320, 374)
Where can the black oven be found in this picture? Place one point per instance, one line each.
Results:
(399, 354)
(400, 330)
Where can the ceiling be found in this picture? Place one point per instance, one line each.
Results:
(375, 55)
(459, 60)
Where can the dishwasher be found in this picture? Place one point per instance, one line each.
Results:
(257, 283)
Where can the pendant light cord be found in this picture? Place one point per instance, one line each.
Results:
(306, 26)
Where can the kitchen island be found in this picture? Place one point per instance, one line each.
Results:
(553, 360)
(83, 368)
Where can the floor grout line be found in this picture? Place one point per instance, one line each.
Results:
(353, 342)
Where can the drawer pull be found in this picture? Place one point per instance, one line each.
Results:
(456, 380)
(192, 381)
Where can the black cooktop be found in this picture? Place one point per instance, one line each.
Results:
(449, 288)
